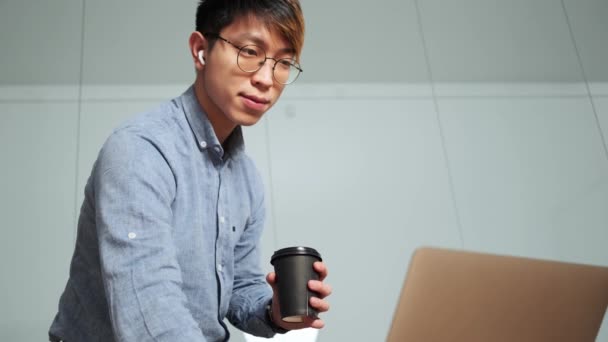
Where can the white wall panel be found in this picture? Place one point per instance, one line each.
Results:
(530, 176)
(362, 41)
(138, 42)
(364, 182)
(590, 28)
(38, 149)
(40, 41)
(601, 106)
(497, 40)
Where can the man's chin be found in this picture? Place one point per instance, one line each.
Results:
(248, 119)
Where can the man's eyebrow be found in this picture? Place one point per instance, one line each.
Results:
(259, 41)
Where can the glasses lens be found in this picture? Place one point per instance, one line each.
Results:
(286, 71)
(251, 58)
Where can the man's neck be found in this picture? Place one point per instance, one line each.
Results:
(220, 123)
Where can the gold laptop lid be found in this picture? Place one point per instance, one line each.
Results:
(452, 295)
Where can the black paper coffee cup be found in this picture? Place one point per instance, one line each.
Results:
(293, 269)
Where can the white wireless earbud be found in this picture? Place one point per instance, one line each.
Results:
(200, 57)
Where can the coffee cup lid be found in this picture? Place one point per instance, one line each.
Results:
(295, 251)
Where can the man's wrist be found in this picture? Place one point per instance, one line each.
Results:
(273, 324)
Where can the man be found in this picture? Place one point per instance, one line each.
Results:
(168, 235)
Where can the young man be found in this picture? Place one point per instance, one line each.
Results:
(168, 235)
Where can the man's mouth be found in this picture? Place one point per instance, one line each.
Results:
(256, 99)
(255, 103)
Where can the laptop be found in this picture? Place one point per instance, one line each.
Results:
(454, 295)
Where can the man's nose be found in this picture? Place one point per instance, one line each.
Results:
(264, 76)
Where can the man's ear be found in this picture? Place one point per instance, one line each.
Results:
(198, 45)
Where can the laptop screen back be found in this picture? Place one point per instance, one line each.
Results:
(452, 295)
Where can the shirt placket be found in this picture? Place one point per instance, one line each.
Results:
(222, 224)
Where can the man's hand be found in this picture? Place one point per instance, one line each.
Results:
(318, 303)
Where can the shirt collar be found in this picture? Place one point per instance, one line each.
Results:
(205, 136)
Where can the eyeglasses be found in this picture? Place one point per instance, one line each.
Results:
(252, 57)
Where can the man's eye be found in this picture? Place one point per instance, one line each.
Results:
(284, 64)
(250, 52)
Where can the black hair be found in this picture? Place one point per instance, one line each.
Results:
(283, 15)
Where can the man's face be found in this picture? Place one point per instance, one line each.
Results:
(242, 97)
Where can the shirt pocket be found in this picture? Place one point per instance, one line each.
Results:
(238, 225)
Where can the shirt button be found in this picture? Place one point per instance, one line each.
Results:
(132, 235)
(222, 219)
(219, 267)
(203, 144)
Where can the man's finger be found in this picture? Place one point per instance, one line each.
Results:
(319, 304)
(271, 278)
(319, 287)
(320, 269)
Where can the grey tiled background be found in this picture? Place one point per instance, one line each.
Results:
(466, 124)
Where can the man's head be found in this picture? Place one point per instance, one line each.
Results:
(282, 16)
(244, 52)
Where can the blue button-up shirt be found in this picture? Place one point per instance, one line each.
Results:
(168, 236)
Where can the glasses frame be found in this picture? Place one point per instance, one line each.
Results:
(276, 61)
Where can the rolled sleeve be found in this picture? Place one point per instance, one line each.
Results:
(134, 189)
